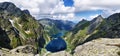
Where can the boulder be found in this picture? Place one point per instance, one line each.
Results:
(28, 51)
(99, 47)
(61, 53)
(25, 49)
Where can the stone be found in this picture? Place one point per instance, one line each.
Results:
(98, 47)
(25, 49)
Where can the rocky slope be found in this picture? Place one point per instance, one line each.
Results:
(26, 50)
(82, 31)
(86, 31)
(99, 47)
(18, 27)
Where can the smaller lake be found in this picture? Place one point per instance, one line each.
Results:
(56, 44)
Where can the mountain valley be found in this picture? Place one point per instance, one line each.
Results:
(22, 35)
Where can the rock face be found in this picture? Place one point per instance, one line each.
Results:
(98, 47)
(61, 53)
(10, 8)
(4, 39)
(27, 50)
(94, 24)
(113, 26)
(26, 11)
(18, 27)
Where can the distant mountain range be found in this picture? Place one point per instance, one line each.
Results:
(55, 26)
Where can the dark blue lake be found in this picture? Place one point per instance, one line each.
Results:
(56, 44)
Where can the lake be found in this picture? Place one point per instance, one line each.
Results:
(56, 44)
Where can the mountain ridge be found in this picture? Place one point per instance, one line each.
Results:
(18, 28)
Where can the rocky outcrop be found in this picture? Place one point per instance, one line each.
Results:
(10, 8)
(26, 12)
(27, 50)
(61, 53)
(98, 47)
(94, 24)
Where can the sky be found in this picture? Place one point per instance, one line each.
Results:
(72, 10)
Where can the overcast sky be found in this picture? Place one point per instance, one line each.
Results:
(73, 10)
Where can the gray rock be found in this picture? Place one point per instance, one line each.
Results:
(26, 12)
(61, 53)
(95, 23)
(25, 49)
(10, 8)
(19, 51)
(98, 47)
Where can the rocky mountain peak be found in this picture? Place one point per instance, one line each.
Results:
(7, 5)
(26, 12)
(18, 28)
(10, 8)
(83, 20)
(97, 19)
(95, 23)
(113, 19)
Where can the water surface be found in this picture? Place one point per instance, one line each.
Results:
(56, 44)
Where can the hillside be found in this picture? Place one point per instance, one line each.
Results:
(99, 27)
(18, 28)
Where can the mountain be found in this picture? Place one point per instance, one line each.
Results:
(109, 28)
(22, 35)
(18, 28)
(82, 31)
(99, 27)
(55, 26)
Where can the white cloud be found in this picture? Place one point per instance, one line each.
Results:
(44, 7)
(68, 16)
(60, 8)
(92, 16)
(56, 8)
(82, 5)
(107, 13)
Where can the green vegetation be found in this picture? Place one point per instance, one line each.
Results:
(74, 37)
(28, 30)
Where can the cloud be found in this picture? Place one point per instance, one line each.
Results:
(60, 8)
(107, 13)
(68, 16)
(39, 8)
(57, 9)
(92, 16)
(82, 5)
